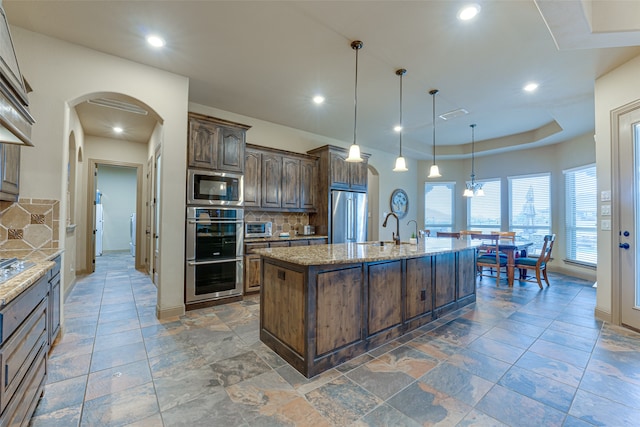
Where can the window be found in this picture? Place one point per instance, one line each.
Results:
(438, 206)
(484, 212)
(581, 214)
(530, 208)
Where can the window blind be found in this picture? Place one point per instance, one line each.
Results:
(484, 212)
(438, 206)
(530, 208)
(581, 215)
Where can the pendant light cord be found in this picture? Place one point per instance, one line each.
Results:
(433, 93)
(355, 96)
(473, 144)
(401, 72)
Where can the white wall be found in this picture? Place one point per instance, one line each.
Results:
(60, 73)
(613, 90)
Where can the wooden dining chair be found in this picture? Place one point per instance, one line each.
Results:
(538, 263)
(490, 257)
(448, 234)
(506, 235)
(464, 233)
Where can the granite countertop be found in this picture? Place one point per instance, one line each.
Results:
(346, 253)
(276, 238)
(13, 287)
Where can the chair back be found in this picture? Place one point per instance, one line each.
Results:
(448, 234)
(427, 232)
(464, 233)
(506, 235)
(547, 247)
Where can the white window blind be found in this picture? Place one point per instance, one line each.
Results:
(438, 206)
(581, 214)
(530, 208)
(484, 212)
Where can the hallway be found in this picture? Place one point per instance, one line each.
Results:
(517, 357)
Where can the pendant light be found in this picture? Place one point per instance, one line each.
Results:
(354, 150)
(434, 172)
(473, 188)
(401, 164)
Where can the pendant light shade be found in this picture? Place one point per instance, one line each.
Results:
(401, 164)
(354, 150)
(434, 172)
(473, 188)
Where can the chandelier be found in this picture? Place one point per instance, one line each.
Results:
(473, 188)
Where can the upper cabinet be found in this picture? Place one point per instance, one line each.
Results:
(338, 174)
(216, 144)
(9, 171)
(279, 180)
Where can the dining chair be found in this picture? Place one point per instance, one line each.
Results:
(427, 232)
(448, 234)
(490, 257)
(464, 233)
(538, 263)
(506, 235)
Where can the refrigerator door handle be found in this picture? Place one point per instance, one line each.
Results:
(350, 220)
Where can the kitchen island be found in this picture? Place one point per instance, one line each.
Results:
(325, 304)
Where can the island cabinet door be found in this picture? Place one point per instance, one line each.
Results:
(339, 309)
(466, 273)
(445, 279)
(385, 296)
(419, 299)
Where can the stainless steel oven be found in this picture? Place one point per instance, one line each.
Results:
(214, 240)
(214, 188)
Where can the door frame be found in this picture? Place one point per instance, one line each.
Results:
(616, 264)
(91, 201)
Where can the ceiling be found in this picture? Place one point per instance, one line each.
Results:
(267, 59)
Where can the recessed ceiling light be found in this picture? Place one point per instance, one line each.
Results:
(530, 87)
(318, 99)
(397, 128)
(468, 12)
(117, 129)
(155, 41)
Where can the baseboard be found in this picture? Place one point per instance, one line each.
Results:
(170, 312)
(603, 315)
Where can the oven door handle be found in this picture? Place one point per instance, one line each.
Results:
(220, 261)
(210, 221)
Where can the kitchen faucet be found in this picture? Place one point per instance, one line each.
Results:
(416, 223)
(396, 236)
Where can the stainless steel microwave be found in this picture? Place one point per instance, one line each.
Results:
(206, 188)
(258, 229)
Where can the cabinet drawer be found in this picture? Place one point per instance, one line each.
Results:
(249, 247)
(299, 243)
(14, 314)
(19, 352)
(278, 244)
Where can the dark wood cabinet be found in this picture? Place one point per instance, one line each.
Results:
(216, 144)
(9, 172)
(279, 180)
(54, 301)
(419, 295)
(252, 178)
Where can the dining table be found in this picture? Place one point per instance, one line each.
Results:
(510, 248)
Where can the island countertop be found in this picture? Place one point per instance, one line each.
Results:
(345, 253)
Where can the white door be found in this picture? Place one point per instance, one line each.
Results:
(156, 220)
(629, 209)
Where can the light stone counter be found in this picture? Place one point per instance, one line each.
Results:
(345, 253)
(13, 287)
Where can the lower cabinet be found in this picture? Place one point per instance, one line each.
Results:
(23, 353)
(54, 301)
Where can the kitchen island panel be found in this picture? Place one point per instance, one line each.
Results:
(385, 296)
(445, 271)
(419, 299)
(466, 275)
(339, 309)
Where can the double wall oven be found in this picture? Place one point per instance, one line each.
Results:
(214, 238)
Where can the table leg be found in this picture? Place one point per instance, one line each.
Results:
(511, 266)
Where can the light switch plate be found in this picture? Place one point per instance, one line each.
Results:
(605, 210)
(605, 195)
(605, 224)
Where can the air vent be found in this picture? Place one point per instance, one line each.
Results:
(118, 105)
(453, 114)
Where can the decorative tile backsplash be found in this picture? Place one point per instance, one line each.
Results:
(29, 224)
(283, 222)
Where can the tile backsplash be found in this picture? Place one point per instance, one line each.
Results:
(283, 222)
(29, 224)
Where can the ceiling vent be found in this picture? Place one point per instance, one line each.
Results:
(453, 114)
(118, 105)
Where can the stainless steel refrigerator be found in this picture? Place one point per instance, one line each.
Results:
(348, 216)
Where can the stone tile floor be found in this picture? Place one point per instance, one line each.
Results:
(518, 357)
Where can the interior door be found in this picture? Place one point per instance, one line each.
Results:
(629, 211)
(92, 250)
(149, 216)
(156, 218)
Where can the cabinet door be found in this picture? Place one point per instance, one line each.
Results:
(419, 294)
(358, 176)
(252, 178)
(445, 276)
(271, 180)
(202, 144)
(230, 149)
(308, 183)
(252, 273)
(339, 171)
(290, 183)
(10, 169)
(385, 296)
